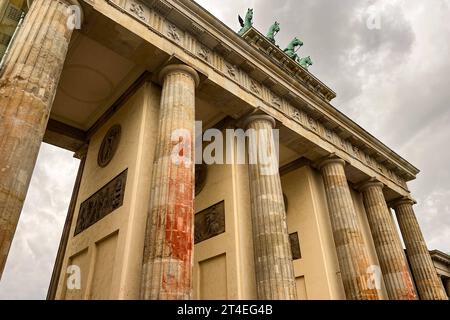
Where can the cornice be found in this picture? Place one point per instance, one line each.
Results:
(440, 256)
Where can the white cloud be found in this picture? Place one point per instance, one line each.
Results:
(30, 263)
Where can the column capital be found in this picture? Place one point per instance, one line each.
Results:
(69, 2)
(256, 117)
(373, 182)
(332, 158)
(404, 200)
(173, 68)
(77, 3)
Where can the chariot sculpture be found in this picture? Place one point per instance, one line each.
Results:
(291, 49)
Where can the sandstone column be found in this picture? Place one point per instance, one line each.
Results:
(27, 88)
(351, 250)
(169, 243)
(275, 278)
(394, 266)
(425, 275)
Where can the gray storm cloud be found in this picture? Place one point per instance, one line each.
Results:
(393, 81)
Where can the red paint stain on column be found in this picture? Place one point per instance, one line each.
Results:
(178, 230)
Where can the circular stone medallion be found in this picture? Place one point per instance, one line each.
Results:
(109, 146)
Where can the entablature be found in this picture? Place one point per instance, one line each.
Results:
(188, 26)
(440, 256)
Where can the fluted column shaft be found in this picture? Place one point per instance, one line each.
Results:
(27, 88)
(427, 281)
(351, 250)
(394, 266)
(169, 241)
(273, 258)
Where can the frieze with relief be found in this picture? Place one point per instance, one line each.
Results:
(212, 57)
(174, 33)
(255, 87)
(276, 101)
(204, 53)
(138, 9)
(231, 70)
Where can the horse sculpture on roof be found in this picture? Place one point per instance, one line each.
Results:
(305, 62)
(274, 29)
(292, 48)
(246, 23)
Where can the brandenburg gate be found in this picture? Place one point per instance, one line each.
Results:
(112, 80)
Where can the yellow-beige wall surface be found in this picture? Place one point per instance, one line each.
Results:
(109, 253)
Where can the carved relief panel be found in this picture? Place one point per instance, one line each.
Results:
(210, 222)
(102, 203)
(174, 33)
(138, 9)
(295, 246)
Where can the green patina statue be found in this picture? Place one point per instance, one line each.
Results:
(305, 62)
(274, 29)
(292, 48)
(247, 23)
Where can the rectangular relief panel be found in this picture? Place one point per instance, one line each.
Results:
(295, 246)
(213, 278)
(105, 254)
(210, 222)
(76, 276)
(102, 203)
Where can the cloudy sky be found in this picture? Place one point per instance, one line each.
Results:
(388, 61)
